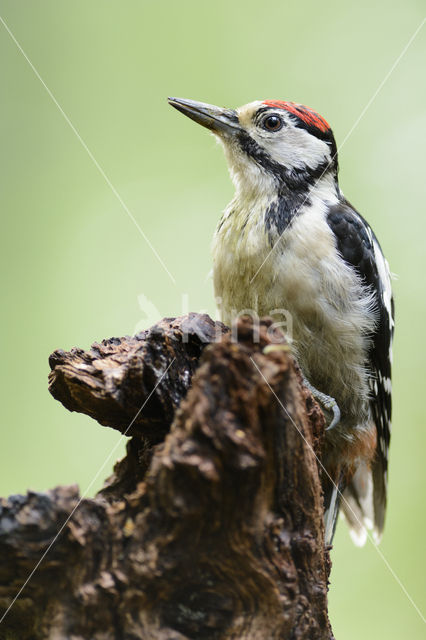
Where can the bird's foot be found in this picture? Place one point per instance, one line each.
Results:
(327, 402)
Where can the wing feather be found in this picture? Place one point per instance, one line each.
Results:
(360, 248)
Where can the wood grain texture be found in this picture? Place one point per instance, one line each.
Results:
(210, 527)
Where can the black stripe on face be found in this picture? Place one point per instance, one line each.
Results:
(288, 178)
(325, 136)
(293, 185)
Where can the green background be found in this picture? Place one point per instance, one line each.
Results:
(75, 268)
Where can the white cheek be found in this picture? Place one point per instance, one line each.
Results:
(294, 147)
(248, 177)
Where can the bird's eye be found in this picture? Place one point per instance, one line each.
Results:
(272, 123)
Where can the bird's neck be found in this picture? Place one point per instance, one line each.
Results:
(274, 204)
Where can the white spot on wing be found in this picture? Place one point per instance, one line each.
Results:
(387, 384)
(384, 275)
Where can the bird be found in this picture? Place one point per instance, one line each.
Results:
(289, 241)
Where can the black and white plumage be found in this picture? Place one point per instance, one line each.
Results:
(360, 248)
(291, 246)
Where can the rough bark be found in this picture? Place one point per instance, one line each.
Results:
(211, 526)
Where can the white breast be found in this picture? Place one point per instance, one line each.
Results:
(304, 276)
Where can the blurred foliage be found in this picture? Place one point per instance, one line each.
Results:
(76, 269)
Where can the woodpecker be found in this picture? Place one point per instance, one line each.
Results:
(290, 240)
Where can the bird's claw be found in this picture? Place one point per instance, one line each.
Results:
(327, 402)
(336, 415)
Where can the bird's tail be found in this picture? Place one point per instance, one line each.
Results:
(332, 497)
(362, 506)
(361, 501)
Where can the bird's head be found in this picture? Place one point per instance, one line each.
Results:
(269, 142)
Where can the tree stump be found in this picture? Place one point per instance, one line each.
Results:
(211, 527)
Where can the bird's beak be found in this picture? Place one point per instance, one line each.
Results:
(214, 118)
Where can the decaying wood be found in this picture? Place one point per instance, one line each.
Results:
(211, 526)
(111, 381)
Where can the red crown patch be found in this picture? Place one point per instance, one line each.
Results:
(310, 117)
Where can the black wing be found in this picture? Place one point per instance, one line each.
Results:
(360, 248)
